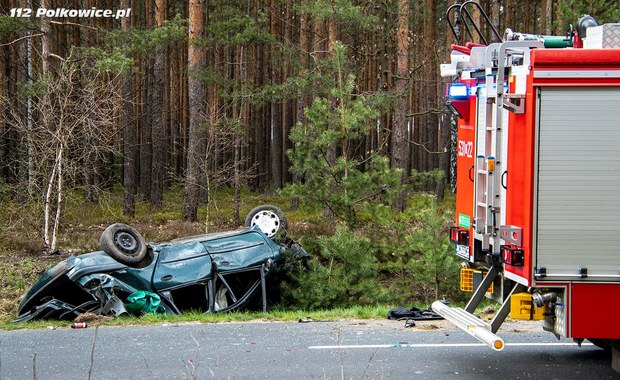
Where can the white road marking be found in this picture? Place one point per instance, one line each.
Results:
(435, 345)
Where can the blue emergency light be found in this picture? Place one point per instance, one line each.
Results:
(458, 99)
(458, 91)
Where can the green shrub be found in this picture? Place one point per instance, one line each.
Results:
(390, 257)
(342, 273)
(436, 266)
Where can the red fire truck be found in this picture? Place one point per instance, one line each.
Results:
(538, 181)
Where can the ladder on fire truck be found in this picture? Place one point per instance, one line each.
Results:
(490, 165)
(501, 61)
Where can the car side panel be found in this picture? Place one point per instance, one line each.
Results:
(182, 264)
(248, 250)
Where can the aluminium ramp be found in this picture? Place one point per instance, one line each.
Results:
(470, 324)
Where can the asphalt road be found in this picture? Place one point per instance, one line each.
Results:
(315, 350)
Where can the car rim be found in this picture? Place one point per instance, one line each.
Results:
(126, 242)
(267, 221)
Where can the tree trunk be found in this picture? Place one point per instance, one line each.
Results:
(332, 37)
(59, 203)
(175, 104)
(196, 92)
(508, 12)
(159, 135)
(495, 18)
(91, 172)
(288, 117)
(130, 156)
(400, 145)
(46, 40)
(276, 109)
(262, 127)
(304, 48)
(146, 145)
(5, 81)
(547, 8)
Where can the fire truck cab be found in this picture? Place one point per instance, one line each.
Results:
(538, 182)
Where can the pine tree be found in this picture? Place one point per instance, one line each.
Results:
(339, 185)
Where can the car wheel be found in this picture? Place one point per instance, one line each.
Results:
(269, 219)
(123, 243)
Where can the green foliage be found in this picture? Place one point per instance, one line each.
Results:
(229, 26)
(35, 88)
(427, 181)
(602, 10)
(342, 11)
(336, 122)
(112, 61)
(409, 252)
(144, 41)
(115, 55)
(404, 256)
(343, 273)
(15, 26)
(436, 264)
(173, 30)
(413, 249)
(389, 258)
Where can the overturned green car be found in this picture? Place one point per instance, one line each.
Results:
(210, 273)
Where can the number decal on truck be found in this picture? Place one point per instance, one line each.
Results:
(465, 148)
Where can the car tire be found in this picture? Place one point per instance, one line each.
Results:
(270, 219)
(124, 244)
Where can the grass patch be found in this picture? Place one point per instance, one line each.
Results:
(358, 312)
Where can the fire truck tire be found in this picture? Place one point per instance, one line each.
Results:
(615, 354)
(611, 346)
